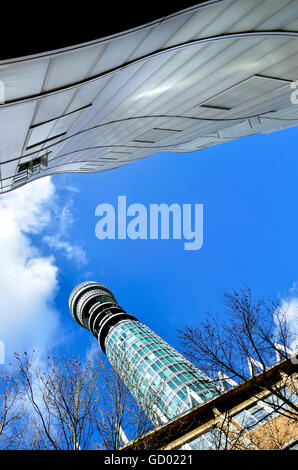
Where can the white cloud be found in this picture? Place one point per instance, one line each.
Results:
(289, 308)
(58, 241)
(70, 251)
(28, 281)
(72, 189)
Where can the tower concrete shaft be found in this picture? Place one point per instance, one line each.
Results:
(162, 381)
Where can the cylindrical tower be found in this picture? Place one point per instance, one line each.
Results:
(163, 382)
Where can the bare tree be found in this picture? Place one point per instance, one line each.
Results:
(120, 418)
(12, 412)
(243, 343)
(74, 404)
(63, 394)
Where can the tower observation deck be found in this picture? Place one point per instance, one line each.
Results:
(162, 381)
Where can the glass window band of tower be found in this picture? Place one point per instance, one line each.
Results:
(108, 322)
(170, 395)
(158, 345)
(143, 360)
(103, 316)
(176, 385)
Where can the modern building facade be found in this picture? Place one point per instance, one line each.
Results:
(162, 381)
(206, 75)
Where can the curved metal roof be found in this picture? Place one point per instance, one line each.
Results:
(201, 77)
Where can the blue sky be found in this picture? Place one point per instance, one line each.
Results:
(248, 189)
